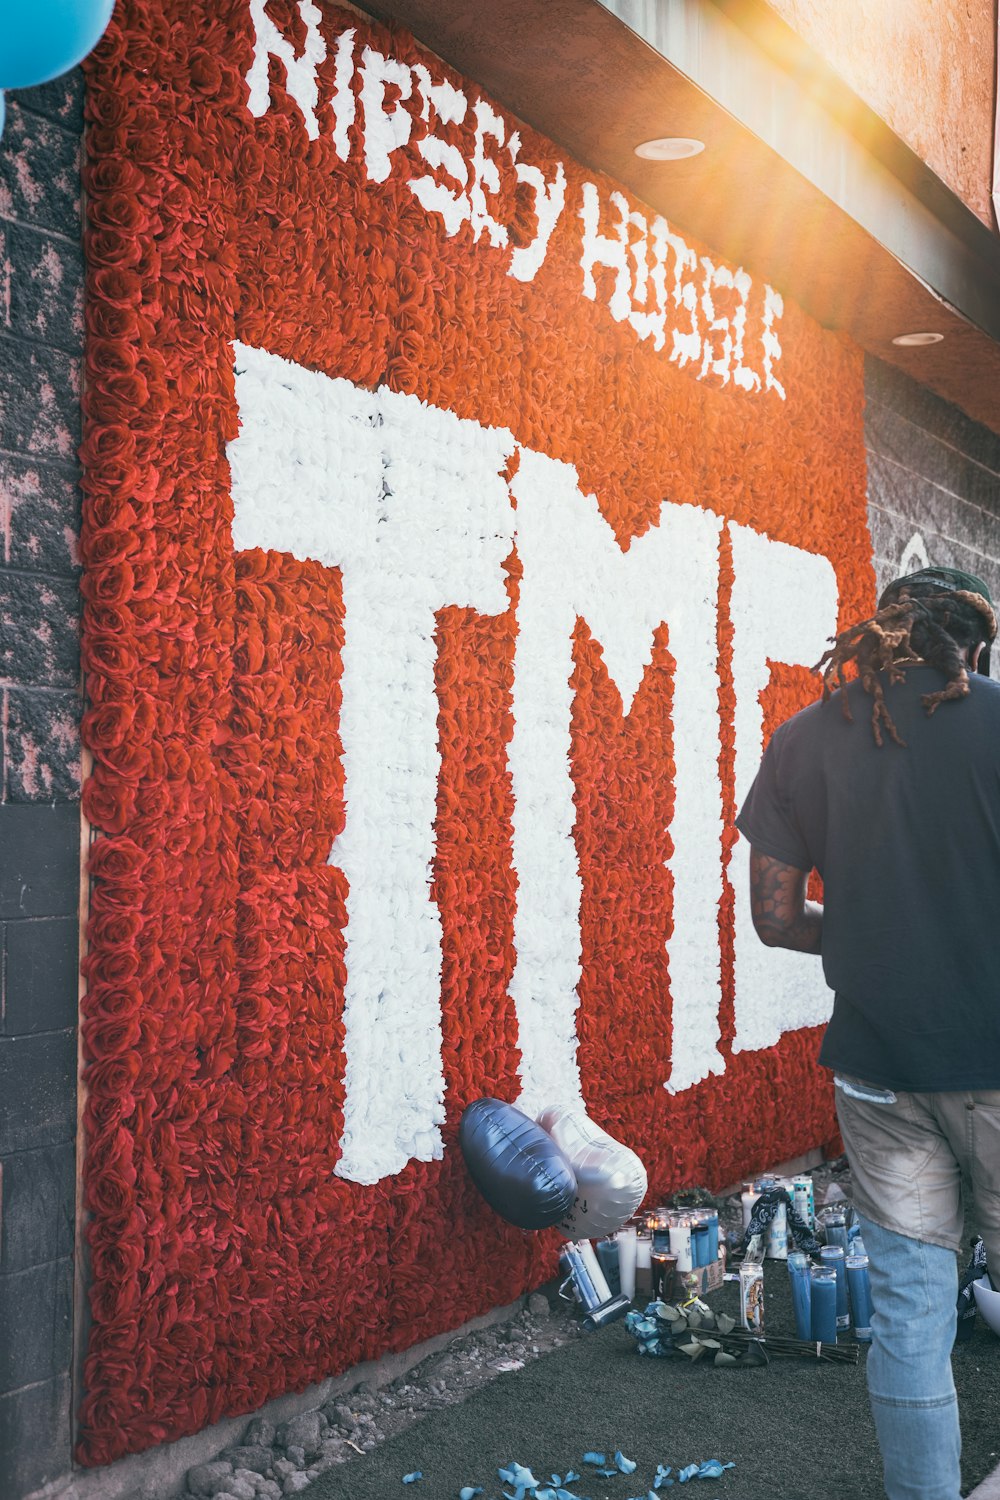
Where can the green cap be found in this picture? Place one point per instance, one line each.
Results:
(946, 579)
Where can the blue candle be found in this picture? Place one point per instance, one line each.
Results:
(713, 1238)
(833, 1256)
(798, 1271)
(861, 1297)
(823, 1288)
(834, 1222)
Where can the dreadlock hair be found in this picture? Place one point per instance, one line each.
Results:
(922, 625)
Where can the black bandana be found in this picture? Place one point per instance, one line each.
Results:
(763, 1212)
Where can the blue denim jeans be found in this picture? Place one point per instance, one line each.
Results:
(908, 1153)
(910, 1385)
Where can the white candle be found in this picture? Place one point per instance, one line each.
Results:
(627, 1245)
(747, 1199)
(680, 1245)
(643, 1249)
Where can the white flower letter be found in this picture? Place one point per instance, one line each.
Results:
(784, 607)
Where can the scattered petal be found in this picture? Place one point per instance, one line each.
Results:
(597, 1459)
(469, 1491)
(412, 1478)
(624, 1465)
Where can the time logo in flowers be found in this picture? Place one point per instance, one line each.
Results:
(455, 530)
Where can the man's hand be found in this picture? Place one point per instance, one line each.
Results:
(782, 917)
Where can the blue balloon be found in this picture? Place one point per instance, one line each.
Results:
(516, 1165)
(39, 39)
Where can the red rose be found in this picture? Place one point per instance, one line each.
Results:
(120, 288)
(115, 859)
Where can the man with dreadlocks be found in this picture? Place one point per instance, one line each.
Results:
(901, 817)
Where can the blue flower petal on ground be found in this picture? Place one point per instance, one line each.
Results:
(624, 1465)
(608, 1473)
(662, 1470)
(713, 1468)
(469, 1492)
(412, 1478)
(691, 1472)
(597, 1459)
(519, 1476)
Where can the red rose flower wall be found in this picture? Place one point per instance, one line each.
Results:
(455, 531)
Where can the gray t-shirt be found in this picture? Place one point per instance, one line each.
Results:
(907, 840)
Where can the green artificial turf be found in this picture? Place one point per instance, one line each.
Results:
(795, 1429)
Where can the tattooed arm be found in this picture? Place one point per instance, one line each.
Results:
(782, 917)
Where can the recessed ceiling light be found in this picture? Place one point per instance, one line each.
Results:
(917, 340)
(669, 148)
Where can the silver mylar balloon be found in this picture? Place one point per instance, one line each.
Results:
(610, 1179)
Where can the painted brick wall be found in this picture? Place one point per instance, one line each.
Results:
(41, 334)
(933, 483)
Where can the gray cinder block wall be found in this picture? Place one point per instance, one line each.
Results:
(933, 482)
(41, 340)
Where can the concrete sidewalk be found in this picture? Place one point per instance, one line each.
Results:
(989, 1489)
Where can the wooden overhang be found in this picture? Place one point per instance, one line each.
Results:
(800, 181)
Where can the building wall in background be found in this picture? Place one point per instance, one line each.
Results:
(933, 490)
(41, 332)
(933, 483)
(927, 68)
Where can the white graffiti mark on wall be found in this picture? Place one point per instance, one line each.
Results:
(914, 555)
(410, 503)
(684, 303)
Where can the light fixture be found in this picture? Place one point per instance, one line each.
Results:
(917, 340)
(669, 148)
